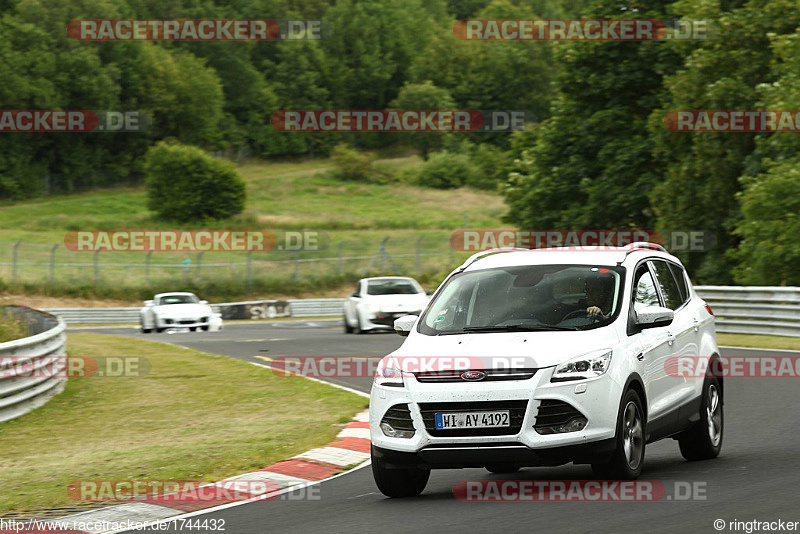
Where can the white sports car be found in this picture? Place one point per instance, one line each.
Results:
(377, 302)
(178, 310)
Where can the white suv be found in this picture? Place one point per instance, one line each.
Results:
(590, 336)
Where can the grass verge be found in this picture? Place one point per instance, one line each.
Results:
(759, 342)
(195, 416)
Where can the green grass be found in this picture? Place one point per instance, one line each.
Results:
(281, 196)
(760, 342)
(11, 328)
(195, 416)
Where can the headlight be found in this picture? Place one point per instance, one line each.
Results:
(388, 373)
(583, 367)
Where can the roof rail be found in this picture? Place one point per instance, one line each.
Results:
(643, 245)
(483, 253)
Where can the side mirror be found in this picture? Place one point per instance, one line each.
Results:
(203, 302)
(355, 295)
(653, 317)
(148, 303)
(404, 324)
(429, 292)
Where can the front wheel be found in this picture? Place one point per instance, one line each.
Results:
(704, 440)
(347, 328)
(403, 482)
(628, 458)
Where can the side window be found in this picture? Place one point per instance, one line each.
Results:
(680, 278)
(646, 294)
(669, 287)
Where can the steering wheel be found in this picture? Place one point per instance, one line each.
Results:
(575, 313)
(578, 313)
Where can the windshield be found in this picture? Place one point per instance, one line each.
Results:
(178, 299)
(530, 297)
(391, 287)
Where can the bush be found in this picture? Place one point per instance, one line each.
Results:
(186, 184)
(351, 164)
(445, 170)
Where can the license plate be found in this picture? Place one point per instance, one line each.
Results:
(498, 419)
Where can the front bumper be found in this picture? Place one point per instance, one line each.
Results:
(596, 399)
(181, 323)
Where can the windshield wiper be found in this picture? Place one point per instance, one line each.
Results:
(516, 328)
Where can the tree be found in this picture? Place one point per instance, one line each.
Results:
(185, 184)
(589, 165)
(424, 96)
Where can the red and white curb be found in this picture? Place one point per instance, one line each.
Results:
(350, 450)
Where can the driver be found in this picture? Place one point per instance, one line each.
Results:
(599, 296)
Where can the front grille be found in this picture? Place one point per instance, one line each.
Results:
(492, 375)
(186, 321)
(399, 417)
(515, 408)
(554, 413)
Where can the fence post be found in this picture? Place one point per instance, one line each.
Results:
(53, 263)
(417, 258)
(96, 268)
(14, 262)
(249, 278)
(147, 265)
(199, 263)
(339, 257)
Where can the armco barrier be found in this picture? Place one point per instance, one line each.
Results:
(256, 309)
(739, 310)
(754, 310)
(46, 337)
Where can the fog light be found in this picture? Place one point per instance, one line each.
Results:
(391, 432)
(168, 321)
(575, 424)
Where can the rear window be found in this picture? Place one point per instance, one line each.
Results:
(391, 287)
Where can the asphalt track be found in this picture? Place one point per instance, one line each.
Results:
(755, 477)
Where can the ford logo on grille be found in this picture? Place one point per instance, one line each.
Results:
(473, 376)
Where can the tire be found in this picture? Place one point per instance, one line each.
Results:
(146, 330)
(347, 328)
(399, 483)
(704, 440)
(500, 469)
(192, 328)
(628, 459)
(205, 328)
(159, 330)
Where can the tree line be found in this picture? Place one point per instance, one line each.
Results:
(600, 156)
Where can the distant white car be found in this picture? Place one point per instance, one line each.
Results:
(177, 310)
(377, 302)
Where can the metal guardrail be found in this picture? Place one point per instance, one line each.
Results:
(738, 310)
(46, 337)
(257, 309)
(764, 310)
